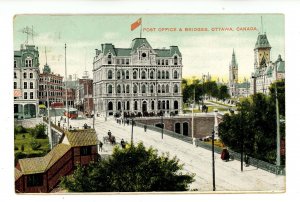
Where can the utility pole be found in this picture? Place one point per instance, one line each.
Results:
(49, 117)
(213, 159)
(66, 86)
(278, 160)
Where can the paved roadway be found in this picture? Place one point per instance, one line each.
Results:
(195, 159)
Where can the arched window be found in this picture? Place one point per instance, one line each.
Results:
(127, 89)
(109, 59)
(163, 89)
(31, 85)
(109, 89)
(109, 74)
(143, 75)
(167, 88)
(158, 74)
(135, 105)
(143, 88)
(128, 105)
(167, 74)
(24, 75)
(163, 74)
(158, 88)
(118, 89)
(175, 74)
(127, 74)
(119, 105)
(175, 60)
(152, 105)
(110, 106)
(151, 75)
(158, 104)
(134, 75)
(151, 89)
(123, 74)
(134, 88)
(168, 104)
(175, 88)
(118, 74)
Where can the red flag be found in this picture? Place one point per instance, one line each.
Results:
(136, 24)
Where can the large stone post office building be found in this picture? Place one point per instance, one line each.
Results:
(139, 79)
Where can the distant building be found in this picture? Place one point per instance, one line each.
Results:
(265, 71)
(84, 95)
(233, 76)
(236, 88)
(139, 80)
(71, 91)
(52, 83)
(26, 82)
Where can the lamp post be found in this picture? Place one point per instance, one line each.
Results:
(162, 125)
(213, 159)
(132, 131)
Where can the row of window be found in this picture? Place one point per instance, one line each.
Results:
(51, 87)
(57, 94)
(126, 61)
(51, 80)
(26, 95)
(125, 75)
(24, 75)
(25, 85)
(160, 89)
(160, 105)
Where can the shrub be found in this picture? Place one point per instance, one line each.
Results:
(38, 132)
(35, 145)
(19, 129)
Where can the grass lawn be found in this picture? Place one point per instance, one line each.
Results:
(19, 141)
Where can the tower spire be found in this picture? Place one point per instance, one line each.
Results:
(262, 25)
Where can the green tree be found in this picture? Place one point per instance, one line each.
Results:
(133, 169)
(255, 123)
(223, 92)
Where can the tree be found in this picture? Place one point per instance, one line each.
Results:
(223, 92)
(132, 169)
(255, 124)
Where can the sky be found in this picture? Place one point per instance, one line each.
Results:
(209, 49)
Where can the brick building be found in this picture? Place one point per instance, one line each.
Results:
(42, 174)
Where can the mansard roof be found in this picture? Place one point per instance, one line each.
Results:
(262, 42)
(137, 43)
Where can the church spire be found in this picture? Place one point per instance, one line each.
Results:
(233, 60)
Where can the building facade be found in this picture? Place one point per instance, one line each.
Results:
(84, 95)
(26, 82)
(265, 71)
(139, 79)
(52, 83)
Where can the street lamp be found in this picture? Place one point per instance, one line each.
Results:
(162, 124)
(214, 132)
(132, 131)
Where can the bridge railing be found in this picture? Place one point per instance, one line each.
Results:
(237, 156)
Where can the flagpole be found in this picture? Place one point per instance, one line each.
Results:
(141, 28)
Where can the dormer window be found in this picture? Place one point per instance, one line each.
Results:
(109, 59)
(28, 62)
(175, 60)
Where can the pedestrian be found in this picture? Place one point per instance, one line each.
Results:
(58, 123)
(70, 127)
(145, 128)
(109, 133)
(123, 144)
(100, 146)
